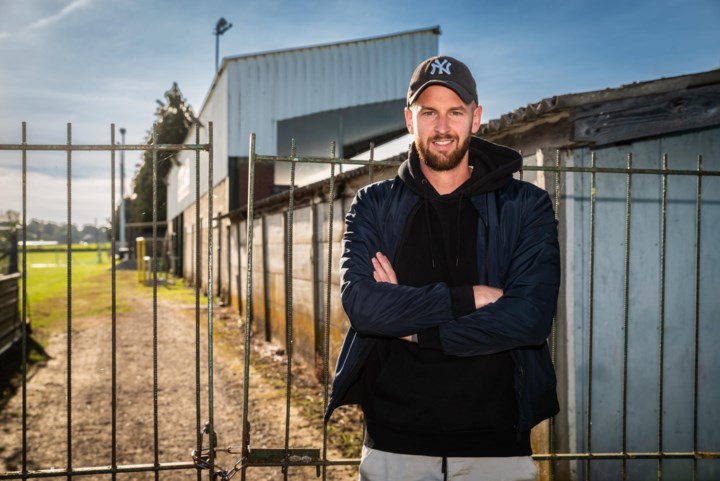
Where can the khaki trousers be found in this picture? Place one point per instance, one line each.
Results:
(383, 466)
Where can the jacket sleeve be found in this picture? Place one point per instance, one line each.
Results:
(523, 315)
(379, 308)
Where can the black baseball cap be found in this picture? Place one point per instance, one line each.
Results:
(446, 71)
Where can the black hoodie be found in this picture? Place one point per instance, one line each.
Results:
(416, 399)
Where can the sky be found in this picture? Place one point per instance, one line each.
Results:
(97, 62)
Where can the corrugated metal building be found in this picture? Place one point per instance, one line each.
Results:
(349, 92)
(648, 287)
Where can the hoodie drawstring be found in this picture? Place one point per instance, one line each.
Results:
(458, 224)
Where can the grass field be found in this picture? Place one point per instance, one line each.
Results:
(47, 288)
(91, 289)
(61, 247)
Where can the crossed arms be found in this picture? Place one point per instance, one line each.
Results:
(518, 315)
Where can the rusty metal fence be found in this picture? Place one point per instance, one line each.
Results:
(112, 469)
(581, 443)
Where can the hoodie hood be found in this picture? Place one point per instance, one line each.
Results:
(492, 168)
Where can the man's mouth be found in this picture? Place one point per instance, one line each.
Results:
(442, 142)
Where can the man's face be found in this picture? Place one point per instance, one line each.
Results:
(442, 124)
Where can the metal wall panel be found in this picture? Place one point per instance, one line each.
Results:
(181, 178)
(252, 93)
(294, 83)
(628, 303)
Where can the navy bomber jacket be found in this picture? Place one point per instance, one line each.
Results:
(518, 252)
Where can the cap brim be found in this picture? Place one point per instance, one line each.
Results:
(466, 96)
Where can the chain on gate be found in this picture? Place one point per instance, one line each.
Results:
(298, 457)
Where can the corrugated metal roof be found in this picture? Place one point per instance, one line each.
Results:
(560, 103)
(285, 84)
(380, 38)
(435, 30)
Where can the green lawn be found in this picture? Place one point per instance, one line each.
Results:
(47, 288)
(91, 289)
(105, 246)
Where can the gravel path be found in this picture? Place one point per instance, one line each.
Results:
(47, 434)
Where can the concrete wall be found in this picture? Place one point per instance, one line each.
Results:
(309, 273)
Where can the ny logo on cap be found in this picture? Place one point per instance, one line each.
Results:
(441, 66)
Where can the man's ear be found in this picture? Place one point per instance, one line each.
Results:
(408, 120)
(477, 119)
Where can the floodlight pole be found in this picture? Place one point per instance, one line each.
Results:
(221, 27)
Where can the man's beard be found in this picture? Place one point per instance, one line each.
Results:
(442, 162)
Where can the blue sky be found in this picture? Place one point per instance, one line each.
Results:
(95, 62)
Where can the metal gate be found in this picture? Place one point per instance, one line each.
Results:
(113, 469)
(578, 444)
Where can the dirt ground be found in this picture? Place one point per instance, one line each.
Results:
(47, 415)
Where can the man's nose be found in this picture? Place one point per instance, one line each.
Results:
(441, 124)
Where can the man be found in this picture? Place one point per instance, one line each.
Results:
(450, 276)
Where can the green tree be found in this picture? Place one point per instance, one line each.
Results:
(173, 119)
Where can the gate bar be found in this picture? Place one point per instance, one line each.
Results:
(591, 310)
(554, 333)
(626, 309)
(24, 301)
(85, 471)
(328, 290)
(661, 354)
(211, 412)
(324, 160)
(101, 148)
(113, 301)
(289, 303)
(156, 434)
(616, 170)
(249, 305)
(698, 219)
(630, 455)
(69, 299)
(198, 429)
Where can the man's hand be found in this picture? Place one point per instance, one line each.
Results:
(384, 272)
(485, 295)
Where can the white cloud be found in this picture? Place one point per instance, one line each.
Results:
(44, 22)
(47, 196)
(49, 20)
